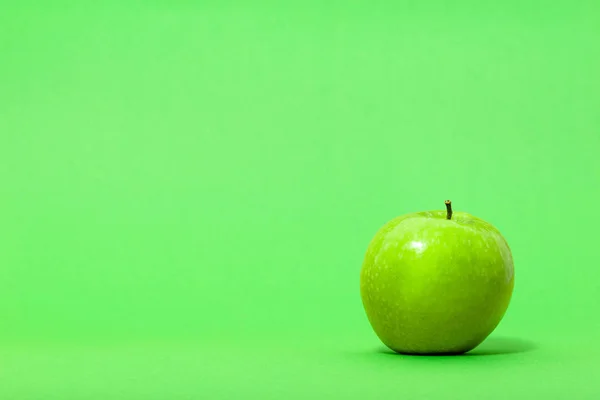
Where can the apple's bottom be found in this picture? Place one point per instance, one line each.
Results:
(433, 349)
(423, 352)
(441, 353)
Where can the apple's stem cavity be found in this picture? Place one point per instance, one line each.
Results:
(448, 209)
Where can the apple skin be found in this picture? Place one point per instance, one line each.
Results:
(432, 285)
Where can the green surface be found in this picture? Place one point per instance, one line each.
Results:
(188, 192)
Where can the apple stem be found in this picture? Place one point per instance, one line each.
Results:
(448, 209)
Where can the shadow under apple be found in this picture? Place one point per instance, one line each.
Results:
(492, 346)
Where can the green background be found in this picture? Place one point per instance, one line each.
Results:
(187, 190)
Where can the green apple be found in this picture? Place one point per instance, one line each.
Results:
(436, 282)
